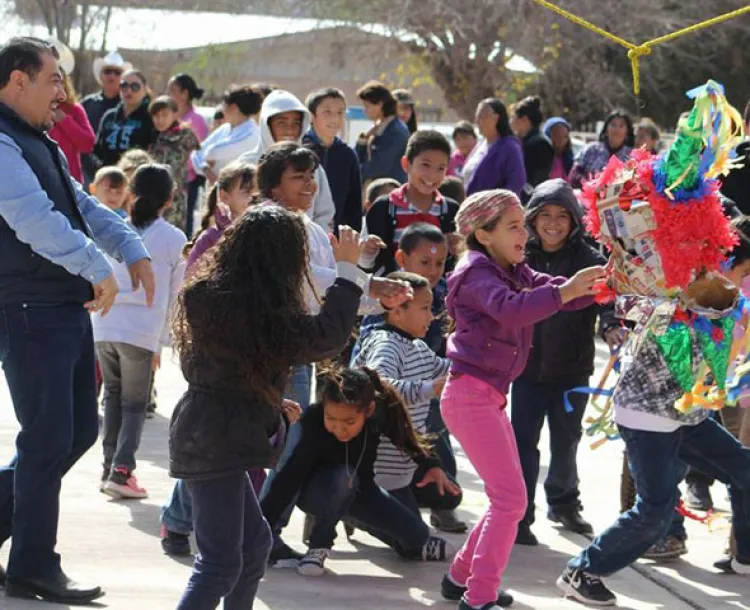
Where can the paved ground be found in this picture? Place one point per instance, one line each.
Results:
(115, 544)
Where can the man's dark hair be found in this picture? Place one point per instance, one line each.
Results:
(280, 157)
(424, 140)
(377, 93)
(415, 234)
(316, 98)
(465, 128)
(163, 102)
(23, 53)
(246, 98)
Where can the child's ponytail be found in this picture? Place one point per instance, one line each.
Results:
(152, 186)
(398, 424)
(211, 202)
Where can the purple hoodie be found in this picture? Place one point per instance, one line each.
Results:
(501, 168)
(495, 311)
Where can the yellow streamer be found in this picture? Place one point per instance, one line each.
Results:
(636, 51)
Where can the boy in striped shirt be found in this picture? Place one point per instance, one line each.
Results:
(396, 350)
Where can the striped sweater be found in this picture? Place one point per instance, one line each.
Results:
(411, 367)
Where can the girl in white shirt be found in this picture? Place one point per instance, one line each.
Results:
(130, 337)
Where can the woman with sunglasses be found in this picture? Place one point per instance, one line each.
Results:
(128, 125)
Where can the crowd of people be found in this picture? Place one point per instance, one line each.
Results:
(343, 317)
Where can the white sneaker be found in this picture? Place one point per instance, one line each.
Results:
(313, 563)
(741, 568)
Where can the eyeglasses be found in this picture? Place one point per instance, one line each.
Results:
(111, 72)
(134, 87)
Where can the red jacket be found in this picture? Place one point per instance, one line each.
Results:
(75, 137)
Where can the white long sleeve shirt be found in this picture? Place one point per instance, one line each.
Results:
(130, 320)
(225, 145)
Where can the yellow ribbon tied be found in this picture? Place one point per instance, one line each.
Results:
(636, 51)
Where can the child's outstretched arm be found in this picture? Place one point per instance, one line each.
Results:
(525, 308)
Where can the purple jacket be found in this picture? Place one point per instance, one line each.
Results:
(495, 311)
(207, 240)
(501, 168)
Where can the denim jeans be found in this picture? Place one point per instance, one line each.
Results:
(48, 359)
(533, 403)
(414, 497)
(443, 448)
(654, 461)
(298, 389)
(126, 373)
(233, 540)
(332, 494)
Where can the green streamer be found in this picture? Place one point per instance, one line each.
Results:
(677, 348)
(682, 160)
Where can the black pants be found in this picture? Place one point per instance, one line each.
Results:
(533, 403)
(414, 497)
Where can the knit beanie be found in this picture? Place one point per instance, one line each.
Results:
(482, 208)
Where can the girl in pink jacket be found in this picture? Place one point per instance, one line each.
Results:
(495, 299)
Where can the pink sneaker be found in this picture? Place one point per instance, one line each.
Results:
(123, 484)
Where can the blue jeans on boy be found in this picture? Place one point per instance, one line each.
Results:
(48, 358)
(331, 494)
(233, 541)
(654, 459)
(298, 390)
(533, 403)
(177, 514)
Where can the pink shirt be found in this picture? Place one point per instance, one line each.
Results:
(200, 128)
(558, 169)
(75, 136)
(456, 164)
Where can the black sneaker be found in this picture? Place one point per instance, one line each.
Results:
(525, 537)
(447, 521)
(437, 549)
(174, 544)
(150, 410)
(698, 497)
(283, 556)
(725, 564)
(453, 592)
(585, 588)
(464, 605)
(570, 519)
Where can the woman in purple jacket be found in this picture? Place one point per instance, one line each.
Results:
(497, 161)
(495, 299)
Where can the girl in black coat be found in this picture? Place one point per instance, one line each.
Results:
(241, 323)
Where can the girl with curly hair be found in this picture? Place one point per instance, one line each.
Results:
(241, 322)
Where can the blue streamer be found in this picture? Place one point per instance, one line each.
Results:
(583, 390)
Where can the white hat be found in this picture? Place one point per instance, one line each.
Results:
(111, 60)
(67, 60)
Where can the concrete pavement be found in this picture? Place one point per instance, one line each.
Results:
(116, 544)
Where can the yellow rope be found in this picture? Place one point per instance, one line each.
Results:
(636, 51)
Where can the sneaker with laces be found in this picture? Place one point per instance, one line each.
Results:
(585, 588)
(437, 549)
(455, 592)
(123, 485)
(667, 548)
(313, 563)
(174, 544)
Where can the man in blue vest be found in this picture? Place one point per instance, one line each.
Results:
(52, 275)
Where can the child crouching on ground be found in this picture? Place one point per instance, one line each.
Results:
(495, 299)
(130, 337)
(331, 469)
(561, 358)
(396, 351)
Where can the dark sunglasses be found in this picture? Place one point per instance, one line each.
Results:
(112, 71)
(134, 87)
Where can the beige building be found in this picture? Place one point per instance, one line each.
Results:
(343, 57)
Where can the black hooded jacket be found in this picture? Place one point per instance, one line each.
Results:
(563, 345)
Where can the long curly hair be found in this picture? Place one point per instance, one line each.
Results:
(244, 305)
